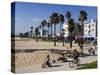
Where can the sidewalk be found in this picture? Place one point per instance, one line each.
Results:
(61, 67)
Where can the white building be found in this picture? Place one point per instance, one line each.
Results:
(90, 29)
(65, 27)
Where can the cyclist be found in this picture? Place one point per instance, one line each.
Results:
(62, 58)
(75, 60)
(75, 56)
(92, 50)
(48, 61)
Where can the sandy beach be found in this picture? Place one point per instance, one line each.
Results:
(32, 44)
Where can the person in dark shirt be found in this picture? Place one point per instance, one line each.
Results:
(75, 55)
(48, 61)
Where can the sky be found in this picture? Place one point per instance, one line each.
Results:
(31, 14)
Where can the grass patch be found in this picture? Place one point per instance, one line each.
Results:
(89, 66)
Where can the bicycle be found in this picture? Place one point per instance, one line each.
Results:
(62, 59)
(91, 51)
(74, 62)
(45, 65)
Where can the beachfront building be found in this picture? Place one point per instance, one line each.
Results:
(90, 29)
(65, 27)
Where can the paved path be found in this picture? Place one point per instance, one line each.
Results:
(60, 67)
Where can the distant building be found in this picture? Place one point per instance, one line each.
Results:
(65, 27)
(90, 29)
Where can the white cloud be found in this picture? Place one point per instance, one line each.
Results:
(36, 19)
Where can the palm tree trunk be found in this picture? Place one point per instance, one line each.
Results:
(82, 41)
(36, 38)
(48, 32)
(42, 32)
(70, 39)
(70, 43)
(60, 28)
(63, 40)
(54, 34)
(51, 31)
(82, 29)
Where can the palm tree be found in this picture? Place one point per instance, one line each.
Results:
(31, 31)
(61, 20)
(82, 17)
(51, 24)
(70, 27)
(21, 35)
(68, 15)
(39, 28)
(55, 20)
(48, 25)
(36, 33)
(26, 34)
(71, 30)
(43, 23)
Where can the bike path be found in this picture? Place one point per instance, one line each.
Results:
(56, 67)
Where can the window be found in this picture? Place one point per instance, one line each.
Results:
(85, 30)
(89, 32)
(92, 25)
(92, 29)
(89, 26)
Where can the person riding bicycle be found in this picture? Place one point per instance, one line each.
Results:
(75, 56)
(92, 51)
(48, 61)
(63, 58)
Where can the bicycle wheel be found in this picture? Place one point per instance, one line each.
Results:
(79, 62)
(43, 65)
(53, 61)
(71, 64)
